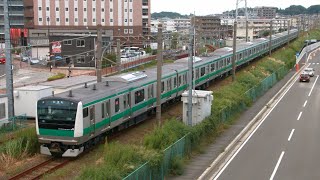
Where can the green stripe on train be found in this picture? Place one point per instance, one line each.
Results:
(54, 132)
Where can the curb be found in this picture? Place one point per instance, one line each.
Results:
(246, 129)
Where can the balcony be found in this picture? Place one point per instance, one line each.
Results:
(13, 3)
(13, 13)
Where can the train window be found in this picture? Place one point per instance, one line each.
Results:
(174, 82)
(85, 112)
(212, 67)
(150, 91)
(116, 105)
(162, 86)
(102, 110)
(240, 56)
(185, 79)
(203, 71)
(139, 96)
(91, 112)
(179, 80)
(220, 64)
(197, 73)
(228, 61)
(169, 84)
(108, 108)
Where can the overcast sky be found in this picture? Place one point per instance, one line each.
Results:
(205, 7)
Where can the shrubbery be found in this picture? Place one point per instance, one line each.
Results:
(57, 76)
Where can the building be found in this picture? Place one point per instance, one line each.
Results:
(182, 24)
(127, 19)
(265, 12)
(210, 27)
(16, 18)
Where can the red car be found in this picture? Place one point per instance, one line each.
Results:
(2, 59)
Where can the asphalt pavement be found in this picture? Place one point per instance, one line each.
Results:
(286, 143)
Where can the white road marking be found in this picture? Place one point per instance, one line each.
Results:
(313, 85)
(305, 103)
(290, 136)
(317, 63)
(299, 116)
(257, 127)
(277, 166)
(313, 63)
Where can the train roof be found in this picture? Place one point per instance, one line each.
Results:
(118, 84)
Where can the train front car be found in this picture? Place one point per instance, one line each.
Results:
(59, 124)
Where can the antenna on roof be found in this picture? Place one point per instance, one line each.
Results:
(85, 85)
(94, 87)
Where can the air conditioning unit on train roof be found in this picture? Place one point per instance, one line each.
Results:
(128, 78)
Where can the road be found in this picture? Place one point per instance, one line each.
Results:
(286, 144)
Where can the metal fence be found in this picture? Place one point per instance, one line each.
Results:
(12, 124)
(183, 146)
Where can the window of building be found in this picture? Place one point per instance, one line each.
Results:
(130, 20)
(48, 9)
(84, 9)
(110, 9)
(130, 10)
(80, 43)
(125, 20)
(102, 20)
(57, 9)
(67, 19)
(67, 9)
(40, 19)
(81, 59)
(111, 20)
(116, 105)
(139, 96)
(57, 19)
(125, 10)
(40, 8)
(93, 20)
(130, 0)
(75, 19)
(125, 31)
(130, 31)
(84, 19)
(125, 1)
(110, 0)
(67, 42)
(75, 9)
(93, 9)
(102, 9)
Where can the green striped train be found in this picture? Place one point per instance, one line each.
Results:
(71, 122)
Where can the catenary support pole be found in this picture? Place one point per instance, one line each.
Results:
(190, 72)
(234, 50)
(288, 29)
(159, 73)
(118, 56)
(99, 52)
(9, 75)
(270, 39)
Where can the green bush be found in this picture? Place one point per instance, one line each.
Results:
(57, 76)
(177, 165)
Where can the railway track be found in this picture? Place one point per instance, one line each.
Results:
(41, 169)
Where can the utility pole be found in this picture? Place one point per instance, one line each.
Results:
(288, 29)
(9, 76)
(234, 50)
(247, 21)
(270, 38)
(159, 74)
(99, 52)
(118, 56)
(190, 72)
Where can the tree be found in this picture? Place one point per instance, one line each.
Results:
(315, 9)
(174, 40)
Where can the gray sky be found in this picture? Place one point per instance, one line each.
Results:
(204, 7)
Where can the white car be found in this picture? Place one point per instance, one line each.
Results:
(309, 71)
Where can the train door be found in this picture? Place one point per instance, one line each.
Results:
(150, 94)
(92, 120)
(127, 105)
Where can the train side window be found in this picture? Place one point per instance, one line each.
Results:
(92, 112)
(185, 79)
(162, 86)
(240, 56)
(108, 108)
(85, 112)
(203, 71)
(116, 105)
(197, 73)
(150, 91)
(169, 82)
(212, 67)
(174, 82)
(179, 80)
(139, 96)
(228, 60)
(102, 110)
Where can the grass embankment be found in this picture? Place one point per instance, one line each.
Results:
(229, 97)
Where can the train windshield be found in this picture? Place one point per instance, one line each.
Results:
(56, 114)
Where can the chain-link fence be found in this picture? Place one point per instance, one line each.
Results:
(12, 124)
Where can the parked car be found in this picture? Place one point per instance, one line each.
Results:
(25, 58)
(309, 71)
(34, 61)
(304, 77)
(2, 59)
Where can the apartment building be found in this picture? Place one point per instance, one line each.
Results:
(16, 19)
(265, 12)
(120, 19)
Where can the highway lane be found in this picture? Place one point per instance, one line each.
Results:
(281, 141)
